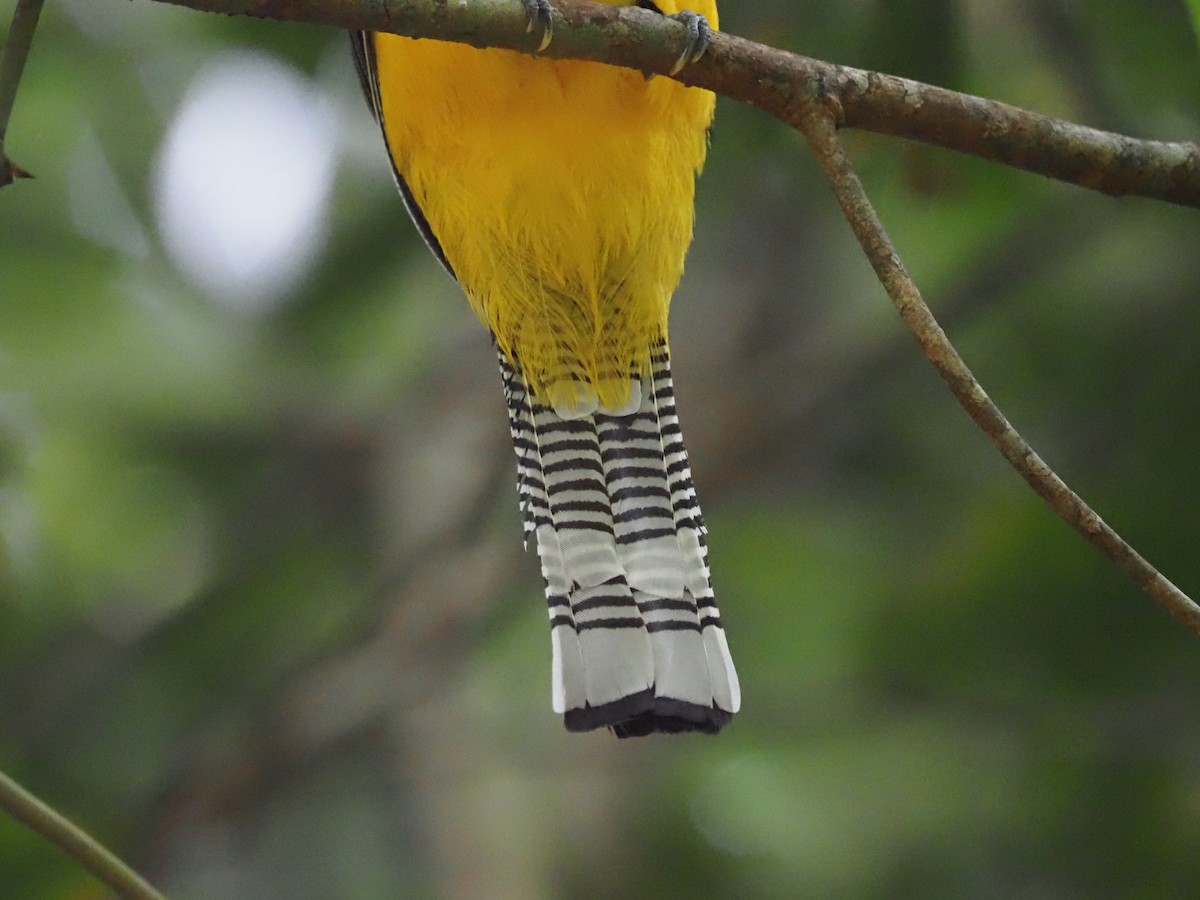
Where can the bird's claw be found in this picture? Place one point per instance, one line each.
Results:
(699, 36)
(537, 13)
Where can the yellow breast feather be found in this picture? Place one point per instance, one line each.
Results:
(561, 193)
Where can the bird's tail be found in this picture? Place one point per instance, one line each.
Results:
(637, 638)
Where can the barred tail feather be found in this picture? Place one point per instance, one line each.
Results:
(635, 632)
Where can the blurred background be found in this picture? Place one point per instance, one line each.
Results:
(266, 626)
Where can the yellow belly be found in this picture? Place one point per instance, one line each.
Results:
(561, 193)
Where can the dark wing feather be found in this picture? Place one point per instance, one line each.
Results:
(362, 45)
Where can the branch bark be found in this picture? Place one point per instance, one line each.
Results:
(778, 82)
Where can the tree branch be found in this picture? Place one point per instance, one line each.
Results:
(777, 82)
(818, 124)
(26, 808)
(12, 63)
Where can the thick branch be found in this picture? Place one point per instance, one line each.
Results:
(820, 129)
(777, 82)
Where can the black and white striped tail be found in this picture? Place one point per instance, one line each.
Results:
(637, 639)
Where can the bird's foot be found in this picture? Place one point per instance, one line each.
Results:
(537, 15)
(699, 36)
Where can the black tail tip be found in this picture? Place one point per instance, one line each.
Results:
(643, 713)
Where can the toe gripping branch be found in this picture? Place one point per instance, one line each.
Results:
(699, 36)
(537, 15)
(699, 33)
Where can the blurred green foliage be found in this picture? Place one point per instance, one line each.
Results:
(265, 626)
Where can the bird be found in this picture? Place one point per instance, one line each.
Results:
(560, 195)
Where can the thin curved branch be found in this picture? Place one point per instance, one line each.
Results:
(12, 64)
(777, 81)
(819, 127)
(52, 825)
